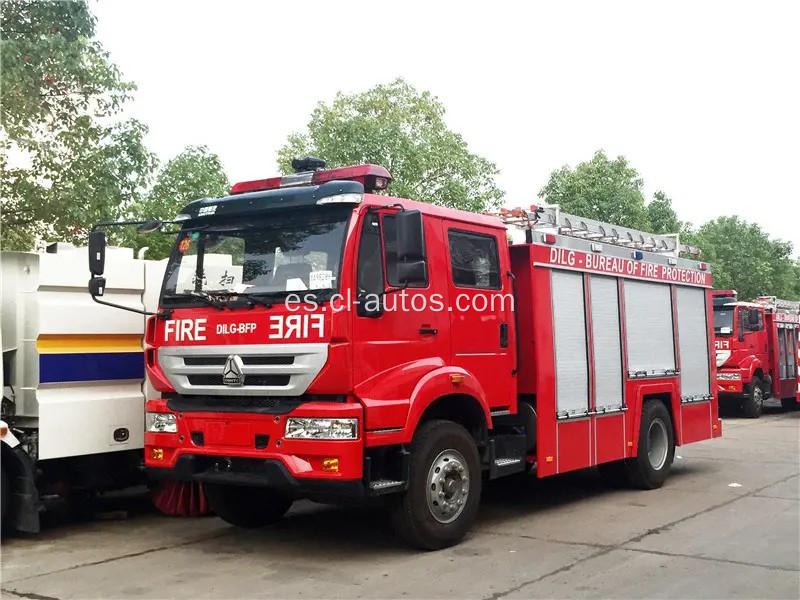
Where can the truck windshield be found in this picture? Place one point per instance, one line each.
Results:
(723, 320)
(271, 254)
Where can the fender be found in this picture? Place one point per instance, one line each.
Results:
(430, 388)
(386, 396)
(647, 389)
(750, 364)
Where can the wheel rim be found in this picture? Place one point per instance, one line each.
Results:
(448, 486)
(657, 444)
(758, 396)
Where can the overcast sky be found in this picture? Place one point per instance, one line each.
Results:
(701, 97)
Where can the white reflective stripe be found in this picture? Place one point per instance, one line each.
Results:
(693, 342)
(722, 356)
(648, 324)
(607, 345)
(569, 331)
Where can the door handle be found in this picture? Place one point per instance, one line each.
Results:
(428, 331)
(504, 335)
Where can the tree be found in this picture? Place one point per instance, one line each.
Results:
(194, 173)
(402, 129)
(65, 163)
(662, 217)
(602, 189)
(744, 258)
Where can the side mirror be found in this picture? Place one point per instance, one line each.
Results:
(149, 226)
(97, 252)
(97, 286)
(411, 266)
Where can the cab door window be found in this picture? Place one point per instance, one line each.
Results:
(369, 275)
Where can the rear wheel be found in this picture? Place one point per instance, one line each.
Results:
(789, 404)
(246, 507)
(444, 489)
(650, 467)
(753, 402)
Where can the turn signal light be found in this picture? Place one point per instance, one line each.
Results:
(330, 464)
(156, 454)
(456, 379)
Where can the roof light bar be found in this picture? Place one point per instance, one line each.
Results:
(373, 177)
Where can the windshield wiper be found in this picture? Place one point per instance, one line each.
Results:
(208, 299)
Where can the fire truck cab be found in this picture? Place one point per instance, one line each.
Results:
(756, 350)
(360, 346)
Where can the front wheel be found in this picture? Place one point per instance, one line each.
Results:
(650, 467)
(753, 402)
(246, 507)
(444, 489)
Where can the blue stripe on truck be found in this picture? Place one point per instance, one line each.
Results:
(90, 366)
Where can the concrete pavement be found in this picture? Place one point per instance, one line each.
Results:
(725, 525)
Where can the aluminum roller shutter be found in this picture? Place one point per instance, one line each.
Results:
(693, 343)
(607, 344)
(648, 325)
(569, 332)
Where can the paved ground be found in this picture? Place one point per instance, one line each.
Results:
(726, 524)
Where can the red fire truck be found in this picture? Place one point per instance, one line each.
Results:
(362, 346)
(756, 347)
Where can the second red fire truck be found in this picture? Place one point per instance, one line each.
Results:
(361, 346)
(757, 351)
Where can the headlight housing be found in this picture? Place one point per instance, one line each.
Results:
(314, 428)
(160, 422)
(729, 376)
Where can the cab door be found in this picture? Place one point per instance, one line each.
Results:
(481, 308)
(404, 333)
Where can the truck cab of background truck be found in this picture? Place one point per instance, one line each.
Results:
(754, 360)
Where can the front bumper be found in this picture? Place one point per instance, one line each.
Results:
(731, 386)
(256, 472)
(247, 448)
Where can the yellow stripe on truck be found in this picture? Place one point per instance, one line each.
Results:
(71, 343)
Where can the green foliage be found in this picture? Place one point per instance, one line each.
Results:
(601, 189)
(65, 165)
(662, 217)
(53, 70)
(194, 173)
(744, 258)
(402, 129)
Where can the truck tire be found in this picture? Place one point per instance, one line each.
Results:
(753, 402)
(246, 507)
(650, 467)
(444, 487)
(789, 404)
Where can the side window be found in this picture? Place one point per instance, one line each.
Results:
(474, 260)
(370, 262)
(390, 251)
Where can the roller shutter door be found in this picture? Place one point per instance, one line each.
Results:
(648, 325)
(693, 343)
(607, 345)
(569, 332)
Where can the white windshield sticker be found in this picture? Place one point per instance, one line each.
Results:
(320, 280)
(295, 284)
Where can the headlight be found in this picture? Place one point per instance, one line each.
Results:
(160, 422)
(321, 429)
(729, 376)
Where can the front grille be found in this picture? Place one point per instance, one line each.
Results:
(271, 405)
(203, 361)
(268, 369)
(250, 380)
